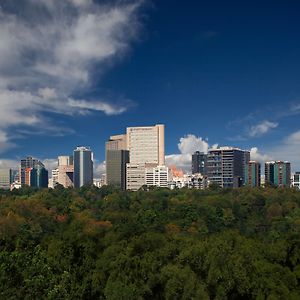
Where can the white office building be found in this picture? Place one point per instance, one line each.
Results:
(157, 176)
(296, 180)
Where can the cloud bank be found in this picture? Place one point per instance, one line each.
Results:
(48, 52)
(187, 146)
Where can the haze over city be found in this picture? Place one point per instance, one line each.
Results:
(215, 73)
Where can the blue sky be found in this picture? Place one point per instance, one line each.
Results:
(74, 72)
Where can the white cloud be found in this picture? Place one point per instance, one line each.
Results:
(288, 149)
(48, 52)
(262, 128)
(294, 138)
(187, 146)
(99, 168)
(191, 143)
(255, 154)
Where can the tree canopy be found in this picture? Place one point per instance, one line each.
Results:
(92, 243)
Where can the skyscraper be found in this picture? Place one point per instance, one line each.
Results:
(278, 173)
(146, 146)
(83, 167)
(116, 161)
(5, 178)
(28, 162)
(117, 142)
(33, 173)
(226, 166)
(39, 176)
(252, 174)
(65, 171)
(199, 161)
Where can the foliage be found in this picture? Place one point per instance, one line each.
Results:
(103, 243)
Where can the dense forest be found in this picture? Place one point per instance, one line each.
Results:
(92, 243)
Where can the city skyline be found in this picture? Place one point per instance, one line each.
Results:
(218, 77)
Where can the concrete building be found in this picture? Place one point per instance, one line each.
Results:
(65, 160)
(83, 167)
(5, 178)
(296, 180)
(135, 175)
(157, 176)
(117, 142)
(199, 162)
(65, 171)
(253, 174)
(278, 173)
(191, 181)
(146, 146)
(27, 163)
(226, 166)
(116, 161)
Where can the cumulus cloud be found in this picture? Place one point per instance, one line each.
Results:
(187, 146)
(262, 128)
(288, 149)
(99, 168)
(48, 53)
(255, 154)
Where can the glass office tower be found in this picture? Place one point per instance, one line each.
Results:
(83, 167)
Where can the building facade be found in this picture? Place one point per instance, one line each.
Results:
(226, 166)
(146, 146)
(278, 173)
(296, 180)
(5, 178)
(253, 174)
(199, 162)
(157, 176)
(27, 163)
(135, 176)
(116, 161)
(83, 167)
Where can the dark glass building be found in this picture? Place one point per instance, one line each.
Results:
(278, 173)
(39, 176)
(226, 166)
(199, 161)
(83, 167)
(252, 174)
(116, 161)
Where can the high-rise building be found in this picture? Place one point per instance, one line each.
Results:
(65, 160)
(296, 180)
(5, 178)
(157, 176)
(146, 146)
(199, 161)
(65, 171)
(117, 142)
(116, 161)
(33, 173)
(278, 173)
(83, 167)
(252, 174)
(116, 157)
(39, 176)
(226, 166)
(28, 162)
